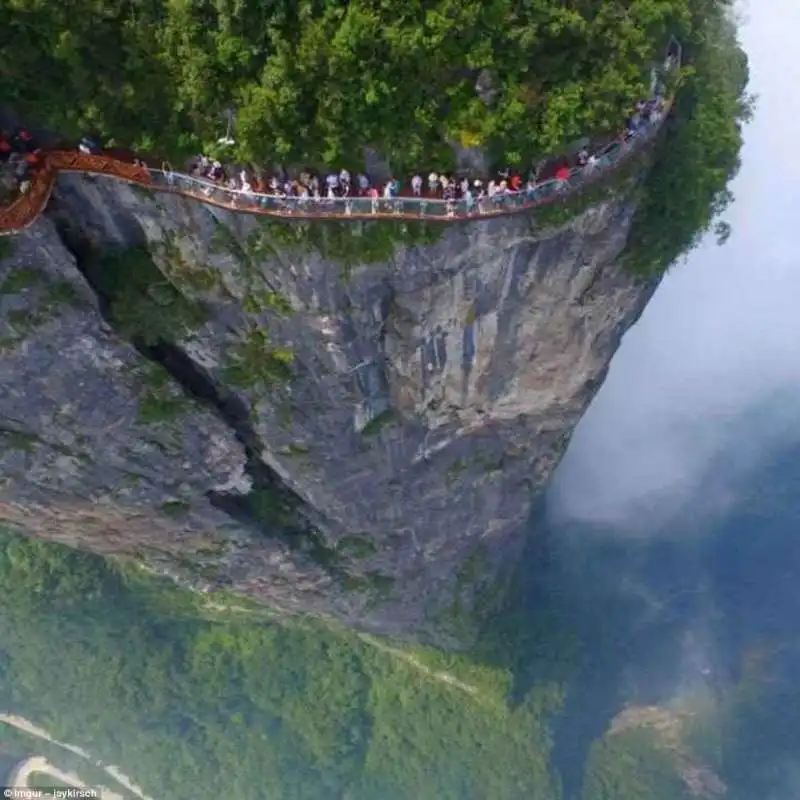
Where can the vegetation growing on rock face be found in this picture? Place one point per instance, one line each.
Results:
(314, 81)
(6, 247)
(143, 304)
(633, 764)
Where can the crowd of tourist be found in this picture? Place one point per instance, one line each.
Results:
(20, 156)
(306, 185)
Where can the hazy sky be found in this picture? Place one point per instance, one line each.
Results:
(723, 331)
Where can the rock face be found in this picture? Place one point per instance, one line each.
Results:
(378, 479)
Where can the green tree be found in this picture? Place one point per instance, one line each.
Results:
(687, 189)
(313, 81)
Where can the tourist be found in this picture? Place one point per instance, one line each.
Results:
(469, 199)
(433, 183)
(416, 185)
(449, 194)
(373, 194)
(33, 159)
(25, 141)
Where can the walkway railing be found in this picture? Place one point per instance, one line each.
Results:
(403, 207)
(27, 208)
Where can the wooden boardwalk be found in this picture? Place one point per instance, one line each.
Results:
(25, 209)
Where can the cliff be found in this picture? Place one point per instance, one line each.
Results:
(345, 419)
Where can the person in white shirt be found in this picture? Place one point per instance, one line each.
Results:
(433, 182)
(332, 180)
(344, 176)
(416, 185)
(387, 190)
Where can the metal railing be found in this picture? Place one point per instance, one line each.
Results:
(428, 208)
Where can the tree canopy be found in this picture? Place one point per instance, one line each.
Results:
(314, 81)
(686, 191)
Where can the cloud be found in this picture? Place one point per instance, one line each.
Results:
(722, 334)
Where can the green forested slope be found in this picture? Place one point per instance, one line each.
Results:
(194, 709)
(315, 80)
(197, 709)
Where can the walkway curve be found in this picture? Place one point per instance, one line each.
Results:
(24, 725)
(24, 211)
(20, 777)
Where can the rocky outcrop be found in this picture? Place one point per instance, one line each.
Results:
(350, 420)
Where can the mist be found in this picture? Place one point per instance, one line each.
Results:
(672, 521)
(720, 339)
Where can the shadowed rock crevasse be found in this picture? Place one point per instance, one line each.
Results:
(350, 420)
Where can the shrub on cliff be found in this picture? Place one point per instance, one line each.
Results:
(312, 81)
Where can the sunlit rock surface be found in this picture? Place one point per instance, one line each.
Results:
(436, 387)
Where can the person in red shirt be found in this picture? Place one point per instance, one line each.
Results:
(5, 149)
(562, 173)
(515, 182)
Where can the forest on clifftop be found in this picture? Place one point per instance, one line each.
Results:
(313, 81)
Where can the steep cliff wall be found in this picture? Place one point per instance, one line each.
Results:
(350, 420)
